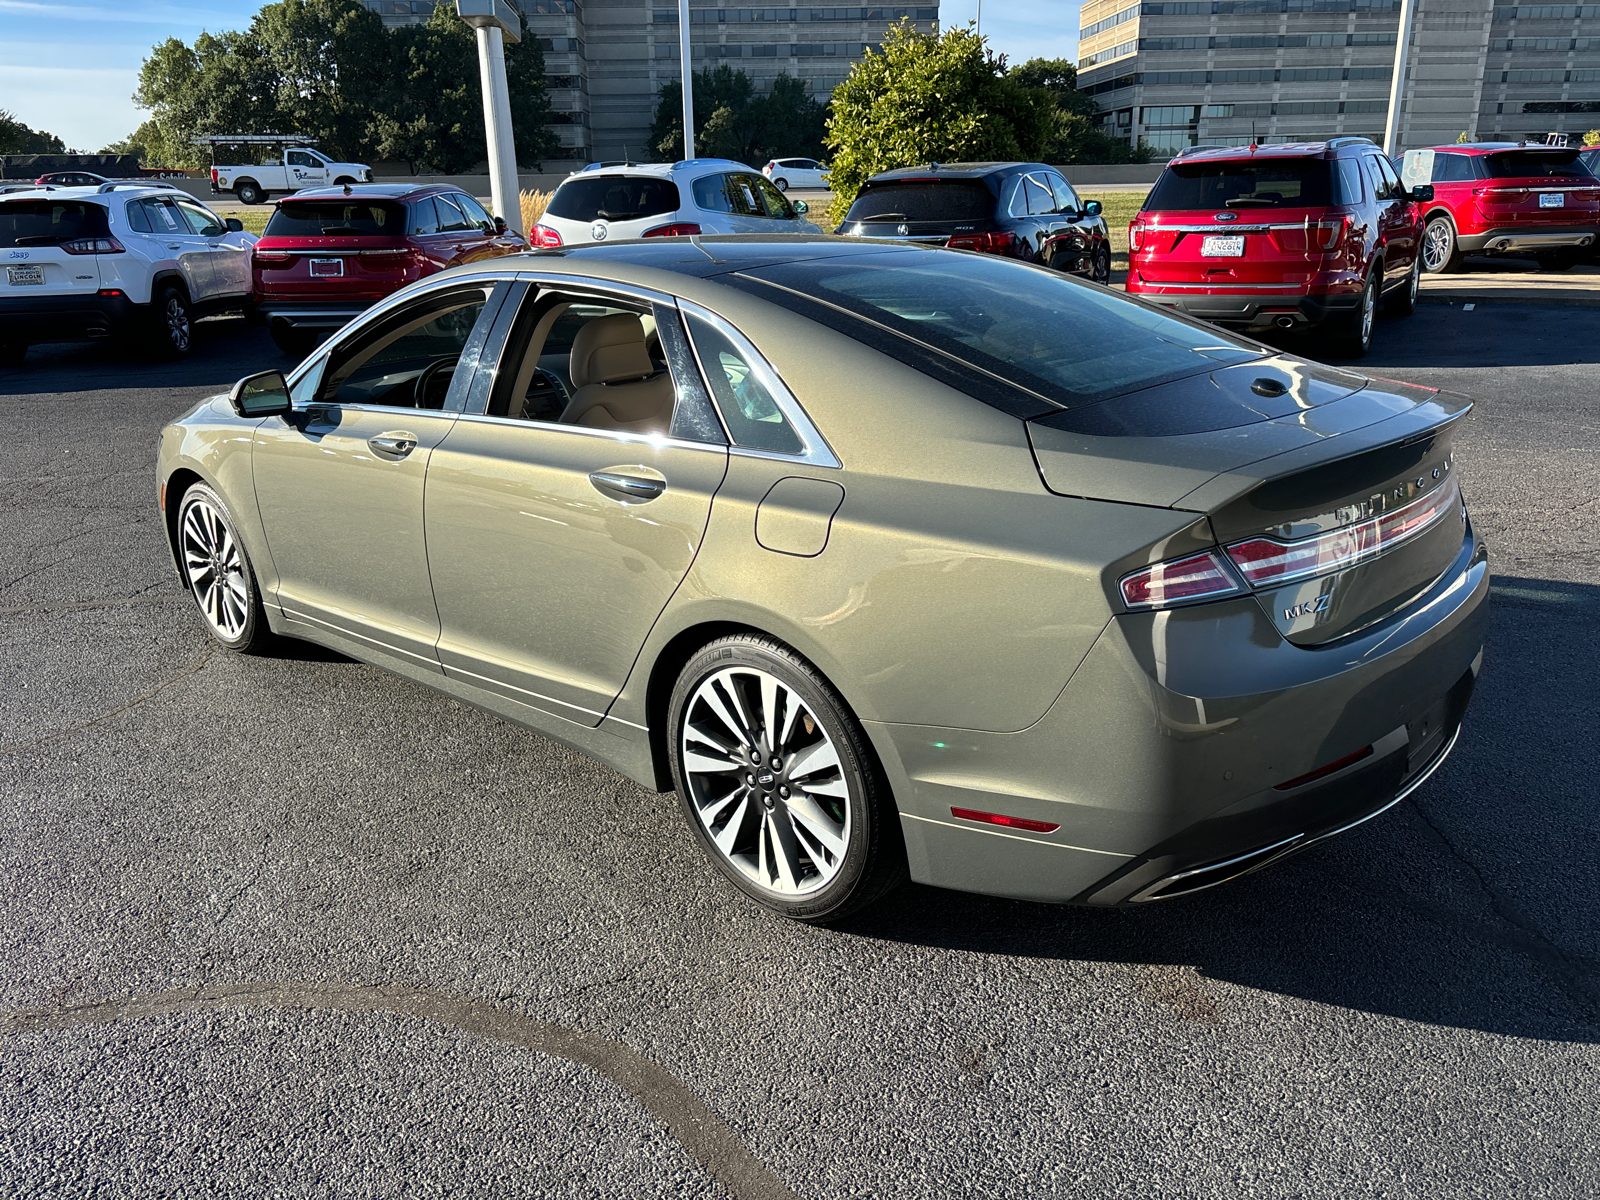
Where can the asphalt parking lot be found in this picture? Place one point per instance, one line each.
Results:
(292, 926)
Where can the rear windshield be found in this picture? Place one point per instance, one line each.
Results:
(1535, 164)
(49, 222)
(956, 200)
(337, 218)
(1265, 183)
(1010, 324)
(614, 198)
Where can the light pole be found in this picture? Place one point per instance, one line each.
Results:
(688, 80)
(1397, 84)
(494, 21)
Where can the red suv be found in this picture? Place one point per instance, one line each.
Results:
(1505, 198)
(329, 253)
(1296, 237)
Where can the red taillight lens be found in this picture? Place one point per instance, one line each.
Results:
(213, 175)
(986, 243)
(1329, 234)
(543, 235)
(1267, 562)
(1135, 235)
(109, 292)
(97, 245)
(989, 818)
(683, 229)
(268, 259)
(1197, 577)
(1337, 764)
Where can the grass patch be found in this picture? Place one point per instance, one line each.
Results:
(254, 220)
(1119, 208)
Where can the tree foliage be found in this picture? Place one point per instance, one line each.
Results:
(17, 138)
(732, 121)
(1592, 138)
(330, 70)
(944, 97)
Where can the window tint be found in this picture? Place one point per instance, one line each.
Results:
(49, 222)
(424, 217)
(299, 158)
(200, 221)
(1262, 183)
(957, 200)
(1347, 181)
(452, 217)
(772, 200)
(748, 408)
(475, 211)
(408, 360)
(1391, 180)
(1035, 196)
(1066, 199)
(1375, 181)
(337, 218)
(614, 198)
(1005, 319)
(1452, 168)
(138, 219)
(1534, 164)
(165, 217)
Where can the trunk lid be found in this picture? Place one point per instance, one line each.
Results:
(34, 236)
(1537, 186)
(334, 249)
(1335, 498)
(930, 210)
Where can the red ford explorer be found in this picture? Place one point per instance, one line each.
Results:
(1313, 235)
(329, 253)
(1505, 198)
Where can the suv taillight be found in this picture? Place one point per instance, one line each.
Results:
(94, 245)
(1328, 233)
(985, 243)
(268, 258)
(543, 235)
(682, 229)
(1135, 235)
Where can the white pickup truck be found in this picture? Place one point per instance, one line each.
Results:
(300, 168)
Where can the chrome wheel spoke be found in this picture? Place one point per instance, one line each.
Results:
(809, 818)
(819, 757)
(215, 566)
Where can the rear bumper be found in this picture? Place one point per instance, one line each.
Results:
(37, 319)
(1263, 309)
(1163, 761)
(311, 316)
(1513, 238)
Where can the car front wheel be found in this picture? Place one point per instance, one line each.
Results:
(218, 573)
(1441, 255)
(778, 782)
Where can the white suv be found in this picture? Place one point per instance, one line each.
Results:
(126, 260)
(787, 173)
(702, 195)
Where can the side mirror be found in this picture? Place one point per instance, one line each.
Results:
(1422, 193)
(265, 394)
(234, 225)
(800, 206)
(499, 224)
(1093, 208)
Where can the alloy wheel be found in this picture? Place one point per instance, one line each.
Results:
(766, 782)
(1438, 243)
(215, 568)
(1369, 309)
(178, 329)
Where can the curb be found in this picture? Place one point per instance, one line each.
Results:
(1525, 299)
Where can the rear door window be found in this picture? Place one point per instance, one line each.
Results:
(1453, 168)
(614, 198)
(204, 223)
(452, 217)
(1066, 199)
(49, 222)
(1245, 184)
(475, 211)
(924, 200)
(165, 218)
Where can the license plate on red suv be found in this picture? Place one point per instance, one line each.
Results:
(1552, 200)
(1223, 247)
(325, 267)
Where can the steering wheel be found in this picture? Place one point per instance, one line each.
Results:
(426, 382)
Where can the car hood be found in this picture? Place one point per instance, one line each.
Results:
(1198, 442)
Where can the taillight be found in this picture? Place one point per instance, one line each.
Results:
(213, 176)
(1328, 233)
(267, 259)
(1267, 562)
(543, 235)
(94, 245)
(683, 229)
(989, 818)
(1197, 577)
(1135, 234)
(986, 243)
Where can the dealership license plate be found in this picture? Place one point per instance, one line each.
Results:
(1223, 247)
(24, 276)
(1552, 200)
(327, 266)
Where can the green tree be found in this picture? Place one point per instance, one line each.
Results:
(17, 138)
(1464, 138)
(1072, 131)
(733, 121)
(1592, 138)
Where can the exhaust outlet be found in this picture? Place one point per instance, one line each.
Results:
(1284, 322)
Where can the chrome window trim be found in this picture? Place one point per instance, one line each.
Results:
(815, 449)
(615, 435)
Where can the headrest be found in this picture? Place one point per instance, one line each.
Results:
(608, 349)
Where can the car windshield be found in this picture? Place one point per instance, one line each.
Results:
(49, 222)
(337, 218)
(1259, 183)
(923, 200)
(1069, 342)
(614, 198)
(1535, 164)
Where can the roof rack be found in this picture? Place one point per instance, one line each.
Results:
(112, 185)
(1350, 140)
(252, 139)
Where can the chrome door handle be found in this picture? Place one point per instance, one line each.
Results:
(628, 487)
(396, 445)
(174, 245)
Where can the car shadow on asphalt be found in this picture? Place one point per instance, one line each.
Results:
(1475, 903)
(226, 349)
(1446, 335)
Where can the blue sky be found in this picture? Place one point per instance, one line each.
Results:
(71, 68)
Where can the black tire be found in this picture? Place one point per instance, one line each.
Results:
(1402, 302)
(174, 323)
(249, 192)
(1352, 336)
(12, 353)
(760, 810)
(231, 611)
(1563, 260)
(1100, 272)
(781, 184)
(1441, 253)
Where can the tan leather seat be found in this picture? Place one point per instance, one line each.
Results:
(618, 386)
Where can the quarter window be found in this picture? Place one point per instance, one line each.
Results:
(424, 217)
(748, 407)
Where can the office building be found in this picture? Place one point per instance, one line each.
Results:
(606, 60)
(1178, 73)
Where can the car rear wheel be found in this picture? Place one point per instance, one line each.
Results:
(218, 572)
(1403, 302)
(174, 325)
(781, 184)
(1441, 255)
(779, 783)
(1354, 339)
(249, 192)
(1563, 260)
